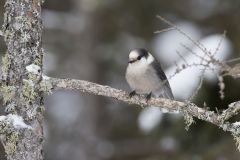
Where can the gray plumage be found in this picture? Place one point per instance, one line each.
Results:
(145, 75)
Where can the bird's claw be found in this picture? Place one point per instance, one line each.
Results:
(148, 97)
(131, 94)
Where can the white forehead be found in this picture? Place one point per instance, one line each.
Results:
(133, 54)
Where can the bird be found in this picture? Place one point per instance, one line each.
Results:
(145, 75)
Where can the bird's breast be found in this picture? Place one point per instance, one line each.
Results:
(143, 80)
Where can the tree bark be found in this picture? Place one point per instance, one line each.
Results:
(187, 109)
(23, 100)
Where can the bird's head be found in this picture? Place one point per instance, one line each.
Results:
(140, 56)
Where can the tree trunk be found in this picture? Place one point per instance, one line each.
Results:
(22, 70)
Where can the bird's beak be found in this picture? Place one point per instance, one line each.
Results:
(131, 61)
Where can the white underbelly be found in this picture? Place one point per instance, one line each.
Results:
(143, 81)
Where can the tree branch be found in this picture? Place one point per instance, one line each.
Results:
(232, 110)
(185, 108)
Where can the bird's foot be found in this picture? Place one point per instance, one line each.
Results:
(133, 93)
(148, 97)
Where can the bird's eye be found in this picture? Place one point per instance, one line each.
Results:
(138, 58)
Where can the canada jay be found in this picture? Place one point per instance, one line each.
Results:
(145, 76)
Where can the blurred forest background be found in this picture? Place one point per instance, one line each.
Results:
(91, 40)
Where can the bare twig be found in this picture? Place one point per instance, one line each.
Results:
(202, 58)
(233, 60)
(181, 57)
(183, 33)
(165, 30)
(212, 60)
(198, 88)
(219, 43)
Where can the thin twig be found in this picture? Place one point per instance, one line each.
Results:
(233, 60)
(164, 30)
(181, 57)
(213, 60)
(193, 53)
(220, 42)
(183, 33)
(198, 87)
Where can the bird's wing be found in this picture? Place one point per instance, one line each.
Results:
(165, 90)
